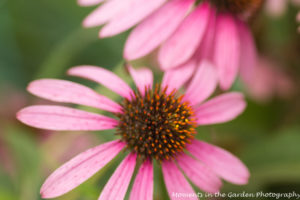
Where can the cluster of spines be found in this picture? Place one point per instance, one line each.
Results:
(157, 125)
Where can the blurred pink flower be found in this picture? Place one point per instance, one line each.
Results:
(186, 31)
(269, 81)
(152, 124)
(298, 20)
(277, 8)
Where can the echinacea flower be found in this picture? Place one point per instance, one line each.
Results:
(153, 123)
(185, 32)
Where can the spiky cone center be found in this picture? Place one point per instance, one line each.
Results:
(238, 7)
(157, 125)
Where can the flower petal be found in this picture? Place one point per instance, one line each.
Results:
(143, 184)
(105, 12)
(156, 28)
(175, 182)
(222, 108)
(185, 40)
(203, 83)
(79, 169)
(248, 53)
(199, 174)
(64, 118)
(118, 183)
(175, 78)
(220, 161)
(69, 92)
(135, 12)
(104, 77)
(142, 77)
(89, 2)
(227, 50)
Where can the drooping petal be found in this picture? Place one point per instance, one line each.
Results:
(135, 12)
(64, 118)
(104, 77)
(227, 50)
(248, 53)
(222, 108)
(79, 169)
(118, 183)
(105, 12)
(70, 92)
(142, 77)
(175, 78)
(175, 182)
(89, 2)
(199, 174)
(156, 28)
(143, 184)
(203, 83)
(220, 161)
(183, 43)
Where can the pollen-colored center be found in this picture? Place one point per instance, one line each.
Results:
(238, 6)
(157, 125)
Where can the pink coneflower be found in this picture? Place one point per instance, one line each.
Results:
(153, 123)
(185, 31)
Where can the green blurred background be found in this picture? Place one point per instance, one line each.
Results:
(43, 38)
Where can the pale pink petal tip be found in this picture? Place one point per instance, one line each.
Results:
(142, 77)
(79, 169)
(220, 109)
(143, 184)
(118, 183)
(89, 2)
(175, 182)
(64, 118)
(223, 163)
(199, 174)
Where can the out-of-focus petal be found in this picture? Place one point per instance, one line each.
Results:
(79, 169)
(223, 163)
(175, 182)
(104, 77)
(203, 83)
(142, 77)
(143, 184)
(199, 174)
(89, 2)
(222, 108)
(64, 118)
(183, 43)
(156, 28)
(135, 12)
(175, 78)
(227, 50)
(118, 183)
(69, 92)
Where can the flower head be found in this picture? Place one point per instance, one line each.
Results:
(152, 124)
(184, 32)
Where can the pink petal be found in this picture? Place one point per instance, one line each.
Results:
(222, 108)
(64, 118)
(104, 77)
(118, 183)
(227, 50)
(143, 184)
(142, 77)
(183, 43)
(175, 78)
(176, 182)
(89, 2)
(69, 92)
(79, 169)
(220, 161)
(105, 12)
(199, 174)
(203, 83)
(156, 28)
(135, 12)
(248, 53)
